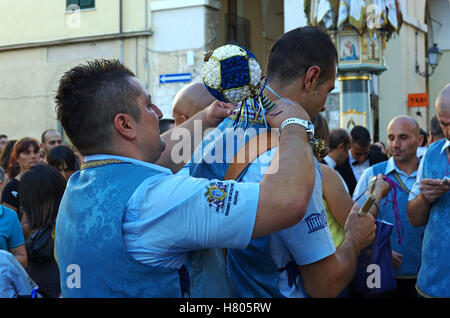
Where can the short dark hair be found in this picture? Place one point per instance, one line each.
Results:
(45, 133)
(360, 135)
(164, 124)
(88, 98)
(41, 189)
(435, 127)
(63, 154)
(425, 136)
(338, 136)
(3, 136)
(299, 49)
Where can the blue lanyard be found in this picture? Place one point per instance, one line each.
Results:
(279, 95)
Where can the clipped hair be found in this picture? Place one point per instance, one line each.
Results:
(298, 50)
(89, 96)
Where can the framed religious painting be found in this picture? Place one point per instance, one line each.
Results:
(349, 46)
(371, 49)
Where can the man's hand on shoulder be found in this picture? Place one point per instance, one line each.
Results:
(218, 111)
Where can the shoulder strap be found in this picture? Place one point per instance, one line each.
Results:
(400, 182)
(249, 152)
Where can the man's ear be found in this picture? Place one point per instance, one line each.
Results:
(125, 126)
(341, 147)
(421, 138)
(184, 117)
(311, 79)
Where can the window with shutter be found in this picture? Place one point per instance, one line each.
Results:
(83, 4)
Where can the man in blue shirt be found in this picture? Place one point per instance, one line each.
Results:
(429, 203)
(299, 261)
(406, 241)
(128, 227)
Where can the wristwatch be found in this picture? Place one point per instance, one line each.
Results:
(307, 124)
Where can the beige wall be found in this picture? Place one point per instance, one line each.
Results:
(439, 28)
(266, 19)
(402, 52)
(439, 79)
(30, 21)
(32, 58)
(29, 80)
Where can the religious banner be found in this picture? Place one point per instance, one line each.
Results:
(352, 118)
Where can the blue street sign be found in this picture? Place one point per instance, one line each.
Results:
(175, 78)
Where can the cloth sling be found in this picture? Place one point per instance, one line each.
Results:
(235, 168)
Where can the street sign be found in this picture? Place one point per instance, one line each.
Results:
(418, 100)
(175, 78)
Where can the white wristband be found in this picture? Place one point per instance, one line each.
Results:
(298, 121)
(309, 127)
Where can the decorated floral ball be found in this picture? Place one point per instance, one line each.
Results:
(231, 74)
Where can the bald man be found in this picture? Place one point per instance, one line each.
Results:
(430, 205)
(406, 241)
(190, 100)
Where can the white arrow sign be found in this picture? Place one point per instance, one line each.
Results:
(174, 78)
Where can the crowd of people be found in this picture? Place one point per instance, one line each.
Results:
(119, 217)
(33, 178)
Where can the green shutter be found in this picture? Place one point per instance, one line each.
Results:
(83, 4)
(69, 2)
(87, 4)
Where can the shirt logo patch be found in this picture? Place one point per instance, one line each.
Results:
(316, 221)
(216, 194)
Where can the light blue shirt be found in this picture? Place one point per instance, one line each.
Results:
(306, 242)
(415, 191)
(361, 187)
(11, 235)
(168, 217)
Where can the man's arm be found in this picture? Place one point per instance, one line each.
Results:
(287, 186)
(329, 276)
(193, 131)
(418, 209)
(20, 253)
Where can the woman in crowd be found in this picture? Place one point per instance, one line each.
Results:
(4, 160)
(63, 158)
(338, 202)
(41, 190)
(25, 154)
